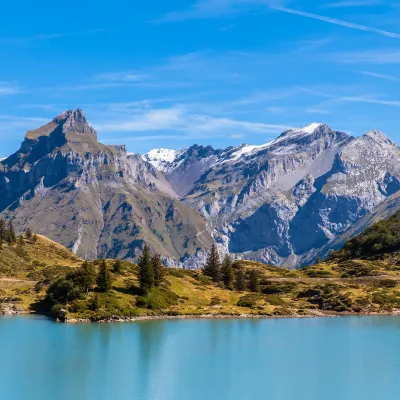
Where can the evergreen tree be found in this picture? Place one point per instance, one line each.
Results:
(117, 267)
(34, 238)
(240, 282)
(146, 272)
(87, 276)
(227, 271)
(21, 241)
(95, 304)
(11, 233)
(213, 266)
(3, 232)
(28, 234)
(254, 281)
(159, 270)
(103, 278)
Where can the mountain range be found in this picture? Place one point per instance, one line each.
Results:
(286, 202)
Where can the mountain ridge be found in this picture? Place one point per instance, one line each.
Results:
(282, 202)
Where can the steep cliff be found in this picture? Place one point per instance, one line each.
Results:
(287, 201)
(96, 199)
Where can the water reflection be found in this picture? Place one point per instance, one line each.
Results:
(330, 359)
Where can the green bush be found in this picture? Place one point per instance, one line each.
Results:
(317, 273)
(327, 297)
(388, 283)
(275, 300)
(158, 299)
(176, 273)
(215, 301)
(58, 312)
(249, 300)
(271, 287)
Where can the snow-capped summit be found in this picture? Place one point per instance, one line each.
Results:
(301, 132)
(162, 159)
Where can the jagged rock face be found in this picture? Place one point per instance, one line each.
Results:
(96, 199)
(286, 201)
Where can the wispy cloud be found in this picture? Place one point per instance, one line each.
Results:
(379, 76)
(45, 36)
(7, 88)
(318, 111)
(368, 99)
(179, 119)
(388, 56)
(215, 8)
(360, 3)
(124, 76)
(26, 39)
(337, 22)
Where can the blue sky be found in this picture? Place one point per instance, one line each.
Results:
(221, 72)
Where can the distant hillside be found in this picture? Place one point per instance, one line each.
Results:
(40, 275)
(378, 241)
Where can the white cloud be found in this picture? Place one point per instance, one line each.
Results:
(126, 76)
(179, 119)
(337, 22)
(359, 3)
(215, 8)
(389, 56)
(369, 99)
(379, 76)
(7, 88)
(318, 111)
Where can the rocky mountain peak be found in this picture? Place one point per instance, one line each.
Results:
(314, 128)
(379, 137)
(75, 121)
(67, 122)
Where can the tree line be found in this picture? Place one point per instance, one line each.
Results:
(77, 284)
(230, 274)
(8, 235)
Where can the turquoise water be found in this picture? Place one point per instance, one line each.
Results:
(277, 359)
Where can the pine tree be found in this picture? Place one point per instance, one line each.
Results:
(88, 276)
(117, 267)
(95, 303)
(103, 278)
(227, 271)
(240, 282)
(213, 266)
(254, 281)
(34, 238)
(3, 232)
(28, 234)
(11, 233)
(21, 241)
(146, 272)
(158, 269)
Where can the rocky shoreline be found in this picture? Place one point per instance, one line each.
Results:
(11, 309)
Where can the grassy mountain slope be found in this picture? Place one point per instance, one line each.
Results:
(364, 277)
(380, 241)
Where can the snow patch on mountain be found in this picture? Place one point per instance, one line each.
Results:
(296, 133)
(245, 150)
(162, 159)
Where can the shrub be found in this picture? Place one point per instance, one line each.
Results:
(58, 312)
(215, 301)
(249, 301)
(157, 299)
(176, 273)
(327, 297)
(388, 283)
(271, 287)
